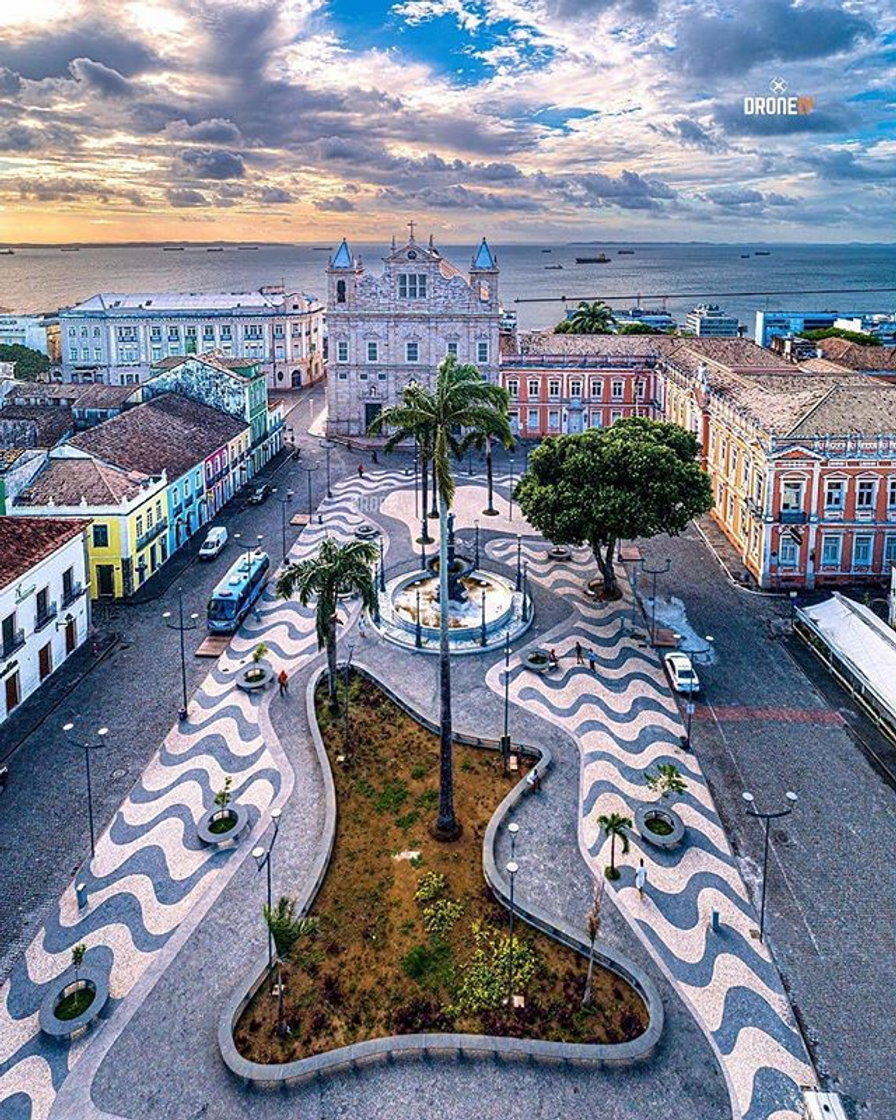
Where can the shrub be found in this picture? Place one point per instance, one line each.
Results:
(419, 1015)
(258, 653)
(431, 885)
(391, 797)
(485, 978)
(222, 797)
(427, 962)
(440, 916)
(408, 820)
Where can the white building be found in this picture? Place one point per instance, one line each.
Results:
(44, 601)
(23, 330)
(387, 330)
(707, 320)
(116, 337)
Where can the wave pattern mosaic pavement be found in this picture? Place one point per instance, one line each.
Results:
(625, 722)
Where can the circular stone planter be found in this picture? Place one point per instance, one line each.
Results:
(64, 990)
(559, 552)
(366, 532)
(212, 827)
(671, 826)
(255, 676)
(538, 661)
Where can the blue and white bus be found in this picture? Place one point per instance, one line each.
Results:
(233, 597)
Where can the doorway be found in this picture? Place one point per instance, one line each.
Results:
(71, 636)
(371, 411)
(45, 660)
(13, 693)
(105, 580)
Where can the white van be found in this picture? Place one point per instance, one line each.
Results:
(213, 543)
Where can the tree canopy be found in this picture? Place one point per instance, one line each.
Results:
(30, 364)
(588, 318)
(638, 478)
(839, 332)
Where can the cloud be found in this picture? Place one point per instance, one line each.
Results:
(337, 204)
(217, 130)
(106, 81)
(742, 36)
(50, 53)
(690, 133)
(842, 166)
(18, 138)
(211, 163)
(832, 118)
(275, 195)
(182, 197)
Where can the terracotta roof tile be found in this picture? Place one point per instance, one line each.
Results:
(35, 425)
(70, 481)
(25, 541)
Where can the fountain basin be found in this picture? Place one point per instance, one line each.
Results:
(464, 618)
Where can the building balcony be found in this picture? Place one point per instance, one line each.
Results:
(793, 517)
(44, 618)
(151, 534)
(15, 641)
(74, 592)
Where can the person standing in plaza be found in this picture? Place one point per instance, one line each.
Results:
(580, 660)
(283, 681)
(592, 660)
(641, 878)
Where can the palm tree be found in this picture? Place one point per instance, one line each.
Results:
(615, 824)
(337, 569)
(286, 929)
(666, 780)
(461, 401)
(483, 442)
(589, 318)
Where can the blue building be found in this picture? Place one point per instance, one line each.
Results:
(774, 324)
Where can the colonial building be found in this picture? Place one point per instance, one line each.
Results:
(565, 383)
(388, 330)
(44, 608)
(116, 337)
(803, 463)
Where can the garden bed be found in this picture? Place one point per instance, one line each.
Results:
(410, 939)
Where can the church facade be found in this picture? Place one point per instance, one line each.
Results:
(388, 330)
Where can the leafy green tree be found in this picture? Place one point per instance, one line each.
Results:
(615, 825)
(637, 328)
(30, 364)
(286, 930)
(839, 332)
(460, 409)
(79, 952)
(588, 318)
(337, 569)
(636, 479)
(666, 780)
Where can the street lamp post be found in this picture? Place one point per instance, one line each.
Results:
(654, 572)
(512, 869)
(525, 609)
(505, 738)
(418, 632)
(348, 670)
(102, 732)
(512, 463)
(767, 819)
(310, 468)
(690, 704)
(248, 546)
(262, 857)
(519, 562)
(183, 626)
(327, 446)
(284, 502)
(382, 565)
(476, 546)
(482, 624)
(513, 828)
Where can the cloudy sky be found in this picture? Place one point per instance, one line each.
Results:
(294, 119)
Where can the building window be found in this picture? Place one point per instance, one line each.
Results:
(412, 285)
(614, 416)
(140, 526)
(597, 420)
(85, 353)
(452, 349)
(788, 553)
(834, 494)
(481, 351)
(412, 352)
(891, 493)
(100, 536)
(831, 549)
(554, 420)
(362, 376)
(597, 388)
(343, 376)
(73, 353)
(226, 332)
(382, 377)
(373, 352)
(617, 390)
(792, 496)
(513, 388)
(342, 351)
(890, 548)
(575, 388)
(554, 389)
(734, 464)
(532, 388)
(865, 495)
(156, 353)
(862, 550)
(208, 334)
(532, 420)
(340, 291)
(97, 354)
(642, 389)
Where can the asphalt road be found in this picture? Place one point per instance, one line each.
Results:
(771, 720)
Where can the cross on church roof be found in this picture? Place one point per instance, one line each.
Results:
(412, 225)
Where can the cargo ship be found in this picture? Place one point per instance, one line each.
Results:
(601, 258)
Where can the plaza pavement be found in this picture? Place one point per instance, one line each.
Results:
(152, 886)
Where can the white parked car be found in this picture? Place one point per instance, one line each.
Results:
(213, 543)
(681, 673)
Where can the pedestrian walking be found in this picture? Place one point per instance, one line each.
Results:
(360, 470)
(374, 456)
(641, 878)
(283, 681)
(362, 629)
(552, 657)
(579, 659)
(592, 660)
(533, 780)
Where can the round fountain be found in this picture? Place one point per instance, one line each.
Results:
(483, 607)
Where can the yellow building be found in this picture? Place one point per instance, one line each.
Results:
(126, 510)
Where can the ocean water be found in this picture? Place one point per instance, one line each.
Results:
(677, 275)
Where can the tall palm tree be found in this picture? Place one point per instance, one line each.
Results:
(615, 824)
(483, 442)
(337, 569)
(460, 408)
(286, 930)
(590, 318)
(666, 780)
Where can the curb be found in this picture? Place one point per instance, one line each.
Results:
(285, 1074)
